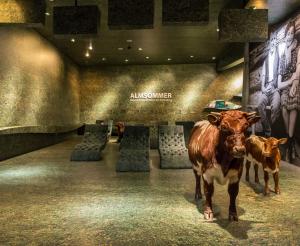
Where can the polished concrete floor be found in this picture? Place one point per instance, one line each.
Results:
(47, 200)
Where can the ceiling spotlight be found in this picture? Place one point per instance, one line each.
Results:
(214, 58)
(129, 40)
(103, 59)
(90, 47)
(126, 60)
(47, 13)
(73, 40)
(191, 56)
(120, 48)
(147, 57)
(51, 0)
(218, 29)
(169, 59)
(87, 54)
(140, 49)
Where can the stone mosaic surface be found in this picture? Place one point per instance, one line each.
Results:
(243, 25)
(20, 11)
(47, 200)
(105, 92)
(38, 86)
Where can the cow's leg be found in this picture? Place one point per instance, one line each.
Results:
(248, 164)
(233, 190)
(266, 178)
(208, 191)
(256, 173)
(198, 194)
(276, 182)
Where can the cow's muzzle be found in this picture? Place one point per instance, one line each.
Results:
(238, 151)
(267, 154)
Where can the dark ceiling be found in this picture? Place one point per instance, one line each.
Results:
(159, 45)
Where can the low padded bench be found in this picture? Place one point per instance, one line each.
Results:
(134, 150)
(173, 153)
(94, 141)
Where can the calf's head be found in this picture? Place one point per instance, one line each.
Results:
(233, 125)
(271, 153)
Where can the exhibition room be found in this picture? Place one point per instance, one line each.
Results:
(149, 122)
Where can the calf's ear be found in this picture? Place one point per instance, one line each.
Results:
(282, 140)
(214, 119)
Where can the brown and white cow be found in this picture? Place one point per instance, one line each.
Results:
(216, 150)
(264, 152)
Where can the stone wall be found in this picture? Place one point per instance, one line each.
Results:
(38, 86)
(105, 92)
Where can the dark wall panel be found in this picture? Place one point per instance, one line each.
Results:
(243, 25)
(76, 19)
(185, 11)
(130, 14)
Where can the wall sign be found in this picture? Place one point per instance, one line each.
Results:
(151, 96)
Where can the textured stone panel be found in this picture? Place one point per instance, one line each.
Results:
(38, 86)
(22, 12)
(130, 14)
(105, 92)
(76, 19)
(243, 25)
(185, 11)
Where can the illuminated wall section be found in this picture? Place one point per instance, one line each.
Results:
(22, 11)
(37, 85)
(106, 92)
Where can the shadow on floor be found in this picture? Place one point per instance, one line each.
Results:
(238, 229)
(258, 188)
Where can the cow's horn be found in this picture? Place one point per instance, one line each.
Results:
(215, 113)
(251, 114)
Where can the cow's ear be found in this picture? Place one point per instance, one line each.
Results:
(253, 119)
(282, 140)
(214, 119)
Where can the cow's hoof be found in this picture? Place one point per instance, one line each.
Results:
(198, 197)
(233, 217)
(266, 192)
(257, 181)
(277, 191)
(208, 214)
(247, 179)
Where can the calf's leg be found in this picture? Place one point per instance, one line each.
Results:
(233, 190)
(248, 164)
(208, 191)
(256, 173)
(266, 178)
(276, 182)
(198, 194)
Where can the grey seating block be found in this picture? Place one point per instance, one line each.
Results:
(108, 124)
(135, 137)
(187, 128)
(134, 150)
(94, 141)
(154, 133)
(173, 153)
(133, 160)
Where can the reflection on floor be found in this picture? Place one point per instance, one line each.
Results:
(46, 199)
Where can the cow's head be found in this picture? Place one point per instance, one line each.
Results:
(271, 153)
(233, 125)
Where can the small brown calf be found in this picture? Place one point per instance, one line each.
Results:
(264, 152)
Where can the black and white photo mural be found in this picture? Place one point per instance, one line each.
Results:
(274, 86)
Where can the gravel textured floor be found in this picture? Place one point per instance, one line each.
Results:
(47, 200)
